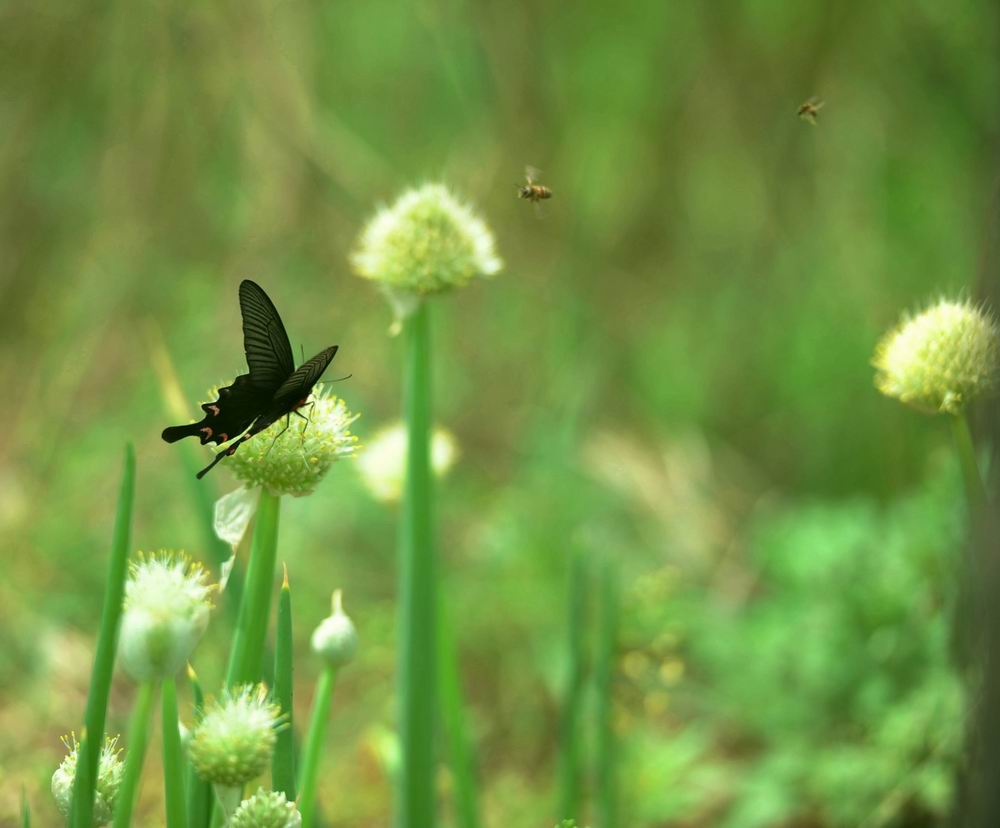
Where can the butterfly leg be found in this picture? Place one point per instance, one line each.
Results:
(288, 418)
(308, 419)
(229, 452)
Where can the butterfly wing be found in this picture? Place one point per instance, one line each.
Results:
(229, 416)
(269, 353)
(299, 385)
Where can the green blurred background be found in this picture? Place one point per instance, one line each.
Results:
(672, 369)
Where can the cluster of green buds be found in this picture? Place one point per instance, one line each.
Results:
(427, 242)
(293, 460)
(942, 359)
(110, 769)
(167, 604)
(383, 464)
(235, 738)
(266, 809)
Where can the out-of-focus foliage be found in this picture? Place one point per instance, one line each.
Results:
(674, 368)
(819, 682)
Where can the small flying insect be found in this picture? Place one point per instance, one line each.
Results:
(531, 190)
(809, 111)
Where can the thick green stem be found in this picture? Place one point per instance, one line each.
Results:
(173, 757)
(569, 747)
(417, 633)
(104, 658)
(199, 791)
(975, 490)
(247, 653)
(309, 771)
(283, 761)
(134, 756)
(453, 715)
(606, 804)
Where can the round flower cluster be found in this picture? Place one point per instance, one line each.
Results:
(266, 809)
(235, 738)
(427, 242)
(383, 463)
(293, 460)
(941, 359)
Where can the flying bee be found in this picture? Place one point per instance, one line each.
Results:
(809, 111)
(531, 190)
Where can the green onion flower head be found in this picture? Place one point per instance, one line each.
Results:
(110, 769)
(383, 462)
(266, 809)
(941, 359)
(165, 613)
(427, 242)
(235, 738)
(335, 639)
(292, 461)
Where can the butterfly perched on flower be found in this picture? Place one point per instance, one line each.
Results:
(273, 388)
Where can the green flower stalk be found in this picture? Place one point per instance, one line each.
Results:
(234, 740)
(941, 359)
(109, 779)
(426, 243)
(266, 809)
(138, 735)
(293, 461)
(335, 641)
(166, 611)
(382, 464)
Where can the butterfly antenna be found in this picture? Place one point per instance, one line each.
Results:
(302, 350)
(338, 379)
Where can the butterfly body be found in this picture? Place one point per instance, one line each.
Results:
(273, 388)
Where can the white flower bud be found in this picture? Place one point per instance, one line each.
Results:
(165, 613)
(335, 639)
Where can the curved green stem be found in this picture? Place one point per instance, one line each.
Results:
(246, 655)
(417, 633)
(134, 756)
(314, 745)
(975, 490)
(173, 758)
(199, 792)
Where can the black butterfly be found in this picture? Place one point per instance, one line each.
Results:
(273, 389)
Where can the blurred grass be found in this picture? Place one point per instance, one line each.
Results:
(679, 342)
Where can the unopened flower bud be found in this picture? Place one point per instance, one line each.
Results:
(335, 639)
